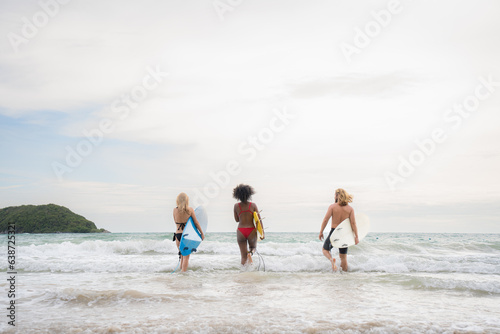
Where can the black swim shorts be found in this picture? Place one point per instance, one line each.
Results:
(328, 245)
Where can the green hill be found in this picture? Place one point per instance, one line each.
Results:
(49, 218)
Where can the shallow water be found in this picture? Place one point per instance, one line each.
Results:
(122, 283)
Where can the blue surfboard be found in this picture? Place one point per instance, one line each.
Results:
(191, 238)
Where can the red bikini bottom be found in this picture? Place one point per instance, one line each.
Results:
(246, 231)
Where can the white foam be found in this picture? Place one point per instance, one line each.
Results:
(124, 283)
(161, 255)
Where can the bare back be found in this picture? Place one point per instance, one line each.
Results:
(181, 218)
(243, 214)
(339, 213)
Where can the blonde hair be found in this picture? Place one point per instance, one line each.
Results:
(342, 197)
(183, 202)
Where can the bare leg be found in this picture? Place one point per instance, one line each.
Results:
(184, 263)
(249, 258)
(329, 257)
(242, 243)
(180, 256)
(252, 242)
(343, 262)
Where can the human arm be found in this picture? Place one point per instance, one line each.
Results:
(354, 227)
(260, 219)
(173, 214)
(197, 224)
(328, 215)
(236, 217)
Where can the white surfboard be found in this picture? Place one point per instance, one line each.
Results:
(343, 236)
(191, 238)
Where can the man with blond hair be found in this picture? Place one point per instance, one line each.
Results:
(338, 212)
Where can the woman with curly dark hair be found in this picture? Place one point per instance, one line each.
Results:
(246, 234)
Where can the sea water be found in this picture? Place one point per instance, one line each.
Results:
(123, 283)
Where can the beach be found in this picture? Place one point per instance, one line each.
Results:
(123, 283)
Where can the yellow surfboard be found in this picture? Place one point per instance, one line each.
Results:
(258, 225)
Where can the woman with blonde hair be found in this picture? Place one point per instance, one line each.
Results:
(338, 212)
(182, 213)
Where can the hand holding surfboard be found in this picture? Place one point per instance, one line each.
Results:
(258, 225)
(191, 237)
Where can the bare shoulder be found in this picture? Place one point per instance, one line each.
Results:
(254, 207)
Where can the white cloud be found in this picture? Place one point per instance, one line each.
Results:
(352, 121)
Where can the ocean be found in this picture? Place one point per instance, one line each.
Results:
(123, 283)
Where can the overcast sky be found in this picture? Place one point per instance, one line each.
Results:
(111, 108)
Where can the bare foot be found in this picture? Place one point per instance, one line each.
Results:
(249, 258)
(334, 267)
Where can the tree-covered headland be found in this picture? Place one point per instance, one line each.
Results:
(48, 218)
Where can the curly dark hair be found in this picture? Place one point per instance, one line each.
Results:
(243, 192)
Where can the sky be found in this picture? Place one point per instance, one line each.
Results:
(112, 108)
